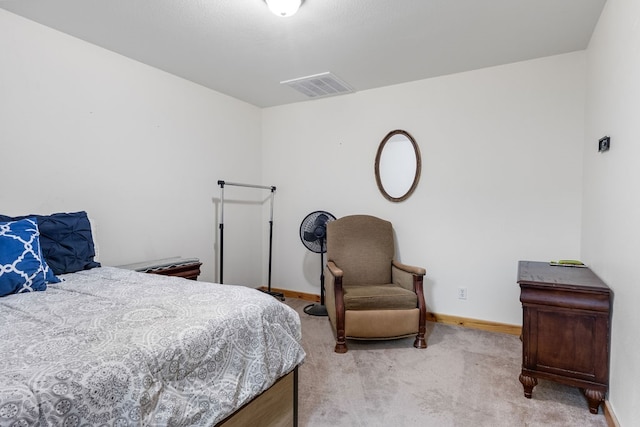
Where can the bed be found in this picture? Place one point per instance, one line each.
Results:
(109, 346)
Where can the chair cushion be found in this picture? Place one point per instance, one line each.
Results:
(378, 297)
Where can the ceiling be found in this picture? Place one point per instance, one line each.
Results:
(239, 48)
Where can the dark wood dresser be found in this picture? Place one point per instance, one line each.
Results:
(188, 271)
(565, 328)
(189, 268)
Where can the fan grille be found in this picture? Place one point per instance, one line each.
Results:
(313, 230)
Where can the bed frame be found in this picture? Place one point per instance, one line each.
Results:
(275, 407)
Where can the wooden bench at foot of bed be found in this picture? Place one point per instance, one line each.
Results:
(275, 407)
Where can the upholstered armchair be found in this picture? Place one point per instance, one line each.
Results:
(369, 295)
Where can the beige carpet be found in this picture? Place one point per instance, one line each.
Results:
(464, 377)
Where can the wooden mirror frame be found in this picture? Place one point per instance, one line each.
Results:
(416, 178)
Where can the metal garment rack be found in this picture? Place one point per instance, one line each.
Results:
(221, 226)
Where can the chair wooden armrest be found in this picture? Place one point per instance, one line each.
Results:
(411, 278)
(333, 269)
(409, 268)
(338, 293)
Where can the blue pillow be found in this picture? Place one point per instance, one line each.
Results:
(66, 240)
(22, 268)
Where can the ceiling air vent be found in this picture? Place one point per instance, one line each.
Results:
(319, 85)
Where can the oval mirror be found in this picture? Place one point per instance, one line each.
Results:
(398, 166)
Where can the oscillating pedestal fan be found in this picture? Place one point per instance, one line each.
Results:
(313, 233)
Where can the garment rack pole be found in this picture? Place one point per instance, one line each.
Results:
(221, 226)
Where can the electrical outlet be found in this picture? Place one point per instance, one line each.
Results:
(462, 293)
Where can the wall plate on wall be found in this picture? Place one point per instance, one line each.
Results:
(604, 144)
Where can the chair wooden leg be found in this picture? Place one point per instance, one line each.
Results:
(341, 339)
(420, 342)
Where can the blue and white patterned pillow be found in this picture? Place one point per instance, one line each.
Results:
(22, 267)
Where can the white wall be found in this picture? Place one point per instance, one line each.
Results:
(501, 180)
(82, 128)
(611, 207)
(142, 151)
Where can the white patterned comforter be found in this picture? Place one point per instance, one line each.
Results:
(115, 347)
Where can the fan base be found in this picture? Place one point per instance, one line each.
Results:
(278, 295)
(316, 310)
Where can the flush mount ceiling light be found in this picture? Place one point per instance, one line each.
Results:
(284, 8)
